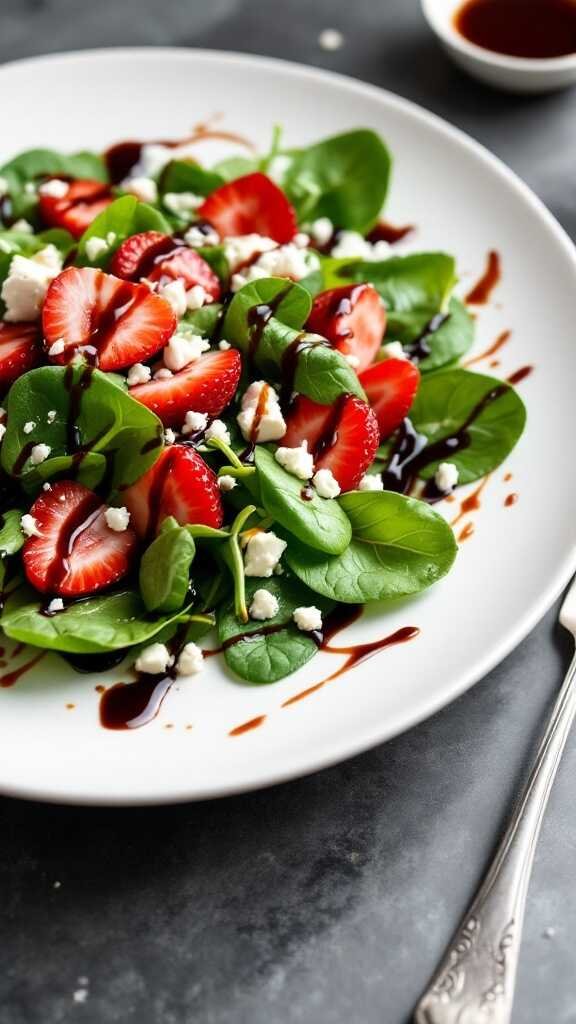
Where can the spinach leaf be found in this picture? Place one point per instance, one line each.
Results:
(235, 167)
(102, 623)
(165, 568)
(291, 305)
(320, 522)
(344, 178)
(204, 321)
(11, 536)
(183, 176)
(215, 257)
(18, 243)
(421, 281)
(36, 163)
(399, 547)
(124, 217)
(262, 653)
(444, 403)
(448, 343)
(111, 424)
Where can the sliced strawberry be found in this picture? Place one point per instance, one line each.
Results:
(353, 319)
(391, 387)
(343, 437)
(137, 255)
(76, 210)
(188, 265)
(19, 351)
(249, 205)
(117, 323)
(179, 484)
(207, 385)
(160, 258)
(76, 552)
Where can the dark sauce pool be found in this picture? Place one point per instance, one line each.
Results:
(520, 28)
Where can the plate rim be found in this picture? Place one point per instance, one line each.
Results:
(371, 736)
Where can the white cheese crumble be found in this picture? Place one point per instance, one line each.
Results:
(263, 552)
(224, 345)
(219, 430)
(117, 519)
(394, 350)
(55, 188)
(371, 482)
(240, 249)
(326, 484)
(308, 619)
(2, 431)
(301, 240)
(57, 348)
(284, 261)
(190, 660)
(111, 237)
(51, 416)
(169, 436)
(29, 426)
(446, 476)
(25, 287)
(322, 230)
(196, 297)
(56, 605)
(197, 237)
(194, 421)
(352, 245)
(143, 188)
(29, 526)
(23, 226)
(96, 247)
(264, 605)
(272, 425)
(226, 482)
(46, 486)
(163, 374)
(181, 350)
(182, 203)
(39, 453)
(154, 659)
(138, 374)
(298, 461)
(175, 293)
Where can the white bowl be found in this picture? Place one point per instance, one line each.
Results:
(513, 74)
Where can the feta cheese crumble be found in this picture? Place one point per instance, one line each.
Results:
(29, 526)
(2, 431)
(56, 605)
(196, 297)
(55, 188)
(39, 453)
(224, 345)
(163, 374)
(182, 203)
(51, 416)
(272, 425)
(446, 476)
(96, 247)
(169, 436)
(326, 484)
(143, 188)
(57, 348)
(175, 293)
(352, 245)
(284, 261)
(138, 374)
(197, 237)
(298, 461)
(190, 660)
(25, 287)
(308, 619)
(264, 605)
(29, 426)
(226, 482)
(117, 519)
(352, 360)
(394, 350)
(371, 482)
(219, 430)
(23, 226)
(154, 659)
(241, 249)
(194, 421)
(183, 350)
(322, 230)
(263, 552)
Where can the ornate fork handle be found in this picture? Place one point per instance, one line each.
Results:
(475, 981)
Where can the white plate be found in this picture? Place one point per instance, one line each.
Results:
(507, 574)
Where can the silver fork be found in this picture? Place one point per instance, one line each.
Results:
(474, 983)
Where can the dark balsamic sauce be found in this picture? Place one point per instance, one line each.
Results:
(10, 678)
(252, 723)
(121, 158)
(465, 532)
(391, 233)
(419, 349)
(90, 663)
(482, 290)
(307, 493)
(520, 375)
(520, 28)
(495, 347)
(510, 500)
(132, 705)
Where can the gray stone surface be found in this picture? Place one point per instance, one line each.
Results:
(330, 899)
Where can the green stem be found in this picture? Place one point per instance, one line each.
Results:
(217, 442)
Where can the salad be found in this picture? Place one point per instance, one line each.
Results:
(227, 403)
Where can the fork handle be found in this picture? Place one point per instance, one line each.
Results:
(474, 983)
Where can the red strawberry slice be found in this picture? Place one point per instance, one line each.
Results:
(207, 385)
(117, 323)
(249, 205)
(179, 484)
(391, 387)
(352, 318)
(77, 552)
(344, 437)
(19, 351)
(76, 210)
(159, 258)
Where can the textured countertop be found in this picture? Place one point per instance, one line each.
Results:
(330, 899)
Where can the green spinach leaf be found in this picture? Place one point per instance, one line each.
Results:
(262, 653)
(124, 217)
(290, 303)
(206, 320)
(399, 547)
(344, 178)
(233, 167)
(37, 163)
(447, 344)
(320, 522)
(11, 536)
(165, 568)
(183, 176)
